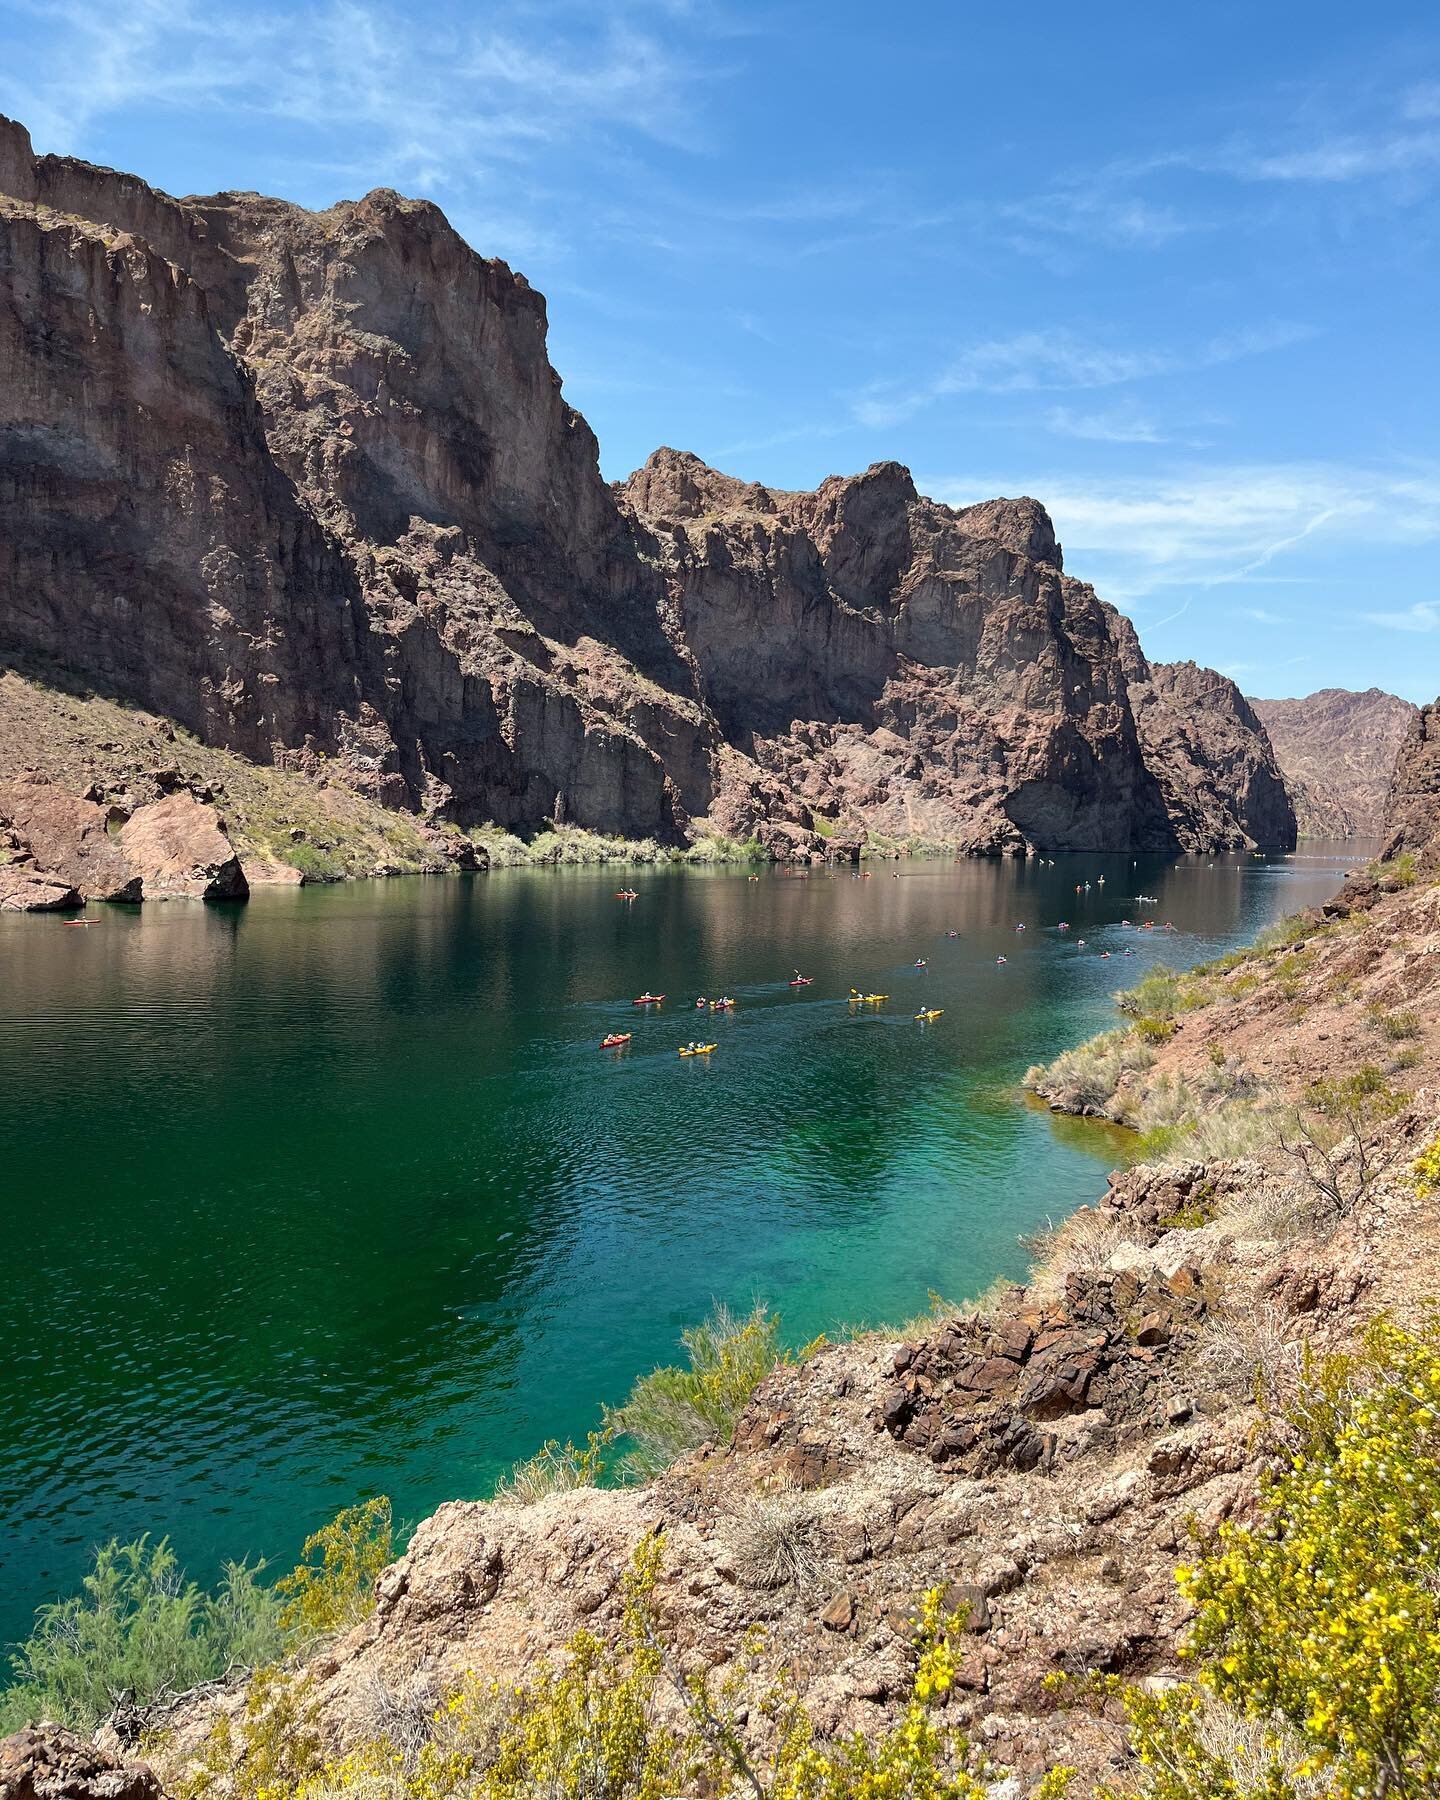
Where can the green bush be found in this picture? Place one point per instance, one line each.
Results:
(673, 1410)
(555, 1468)
(139, 1631)
(1086, 1078)
(331, 1587)
(1395, 1026)
(314, 863)
(1154, 1031)
(1283, 933)
(1156, 996)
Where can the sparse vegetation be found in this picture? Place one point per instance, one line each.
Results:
(139, 1631)
(556, 1468)
(1076, 1246)
(1330, 1135)
(775, 1541)
(673, 1410)
(1087, 1077)
(1396, 1027)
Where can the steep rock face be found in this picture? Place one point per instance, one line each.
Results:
(1412, 809)
(306, 482)
(1337, 750)
(932, 670)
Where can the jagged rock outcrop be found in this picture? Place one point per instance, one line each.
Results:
(1412, 809)
(63, 850)
(1337, 750)
(49, 1763)
(68, 840)
(306, 483)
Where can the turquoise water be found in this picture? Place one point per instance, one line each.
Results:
(335, 1193)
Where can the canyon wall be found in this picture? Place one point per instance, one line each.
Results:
(1337, 752)
(307, 484)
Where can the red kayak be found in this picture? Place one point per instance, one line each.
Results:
(649, 999)
(616, 1039)
(801, 981)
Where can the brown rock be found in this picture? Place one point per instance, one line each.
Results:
(1337, 751)
(68, 840)
(181, 851)
(23, 890)
(1412, 809)
(839, 1615)
(49, 1763)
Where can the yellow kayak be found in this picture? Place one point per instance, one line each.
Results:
(699, 1050)
(935, 1012)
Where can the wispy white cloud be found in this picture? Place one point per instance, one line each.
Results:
(1424, 615)
(1060, 360)
(356, 86)
(1209, 527)
(1263, 616)
(1114, 426)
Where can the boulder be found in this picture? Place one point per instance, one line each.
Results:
(68, 839)
(46, 1762)
(180, 850)
(23, 890)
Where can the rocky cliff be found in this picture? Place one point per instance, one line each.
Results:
(306, 484)
(1337, 752)
(1411, 820)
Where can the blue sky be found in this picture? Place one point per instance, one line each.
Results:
(1173, 271)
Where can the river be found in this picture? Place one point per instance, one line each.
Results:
(335, 1192)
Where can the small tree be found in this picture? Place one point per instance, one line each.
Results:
(1331, 1136)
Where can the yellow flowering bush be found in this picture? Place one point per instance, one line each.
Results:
(331, 1586)
(622, 1722)
(268, 1751)
(1427, 1171)
(1324, 1615)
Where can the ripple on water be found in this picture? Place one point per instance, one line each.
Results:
(337, 1193)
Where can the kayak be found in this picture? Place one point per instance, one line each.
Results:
(935, 1012)
(699, 1050)
(867, 999)
(801, 981)
(649, 999)
(722, 1005)
(616, 1038)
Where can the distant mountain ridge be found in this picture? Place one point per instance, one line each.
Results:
(1337, 750)
(306, 484)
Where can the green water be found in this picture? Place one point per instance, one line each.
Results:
(335, 1193)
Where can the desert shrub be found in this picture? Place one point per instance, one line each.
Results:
(139, 1631)
(1426, 1170)
(1250, 1350)
(672, 1410)
(333, 1583)
(1283, 933)
(555, 1468)
(1088, 1076)
(1395, 1026)
(314, 863)
(1156, 996)
(269, 1750)
(1331, 1135)
(1154, 1031)
(775, 1540)
(1401, 871)
(598, 1728)
(1076, 1246)
(1325, 1612)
